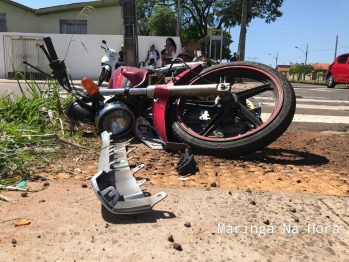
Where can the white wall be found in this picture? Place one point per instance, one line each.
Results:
(144, 43)
(82, 63)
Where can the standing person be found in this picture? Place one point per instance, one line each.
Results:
(184, 55)
(121, 59)
(153, 56)
(196, 58)
(235, 57)
(169, 52)
(122, 54)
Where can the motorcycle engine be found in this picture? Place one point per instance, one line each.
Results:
(116, 118)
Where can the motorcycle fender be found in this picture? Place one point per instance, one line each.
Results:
(161, 95)
(106, 67)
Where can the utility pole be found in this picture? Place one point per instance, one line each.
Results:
(276, 59)
(179, 18)
(306, 55)
(129, 15)
(242, 39)
(335, 50)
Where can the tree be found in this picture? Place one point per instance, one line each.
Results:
(299, 69)
(198, 16)
(156, 25)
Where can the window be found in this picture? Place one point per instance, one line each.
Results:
(3, 27)
(73, 26)
(342, 59)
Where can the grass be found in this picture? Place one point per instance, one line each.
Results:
(312, 82)
(29, 124)
(315, 82)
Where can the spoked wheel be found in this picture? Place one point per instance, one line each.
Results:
(260, 109)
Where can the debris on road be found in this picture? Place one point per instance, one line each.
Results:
(177, 246)
(24, 194)
(22, 222)
(4, 198)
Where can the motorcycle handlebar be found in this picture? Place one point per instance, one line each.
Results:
(51, 50)
(57, 65)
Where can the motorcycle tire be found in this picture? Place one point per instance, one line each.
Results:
(102, 76)
(250, 125)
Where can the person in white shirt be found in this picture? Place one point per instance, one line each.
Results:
(153, 56)
(196, 57)
(169, 52)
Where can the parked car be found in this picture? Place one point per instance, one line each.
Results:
(338, 71)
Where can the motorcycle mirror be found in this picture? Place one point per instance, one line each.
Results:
(104, 42)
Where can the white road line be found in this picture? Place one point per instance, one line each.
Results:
(320, 107)
(322, 100)
(315, 119)
(329, 90)
(260, 98)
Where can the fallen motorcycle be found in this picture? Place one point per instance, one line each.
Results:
(214, 111)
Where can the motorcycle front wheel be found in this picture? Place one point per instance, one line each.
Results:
(260, 110)
(103, 76)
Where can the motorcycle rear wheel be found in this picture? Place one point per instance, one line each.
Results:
(245, 130)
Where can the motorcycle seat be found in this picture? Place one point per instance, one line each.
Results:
(136, 76)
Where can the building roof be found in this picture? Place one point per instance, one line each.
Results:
(76, 6)
(26, 8)
(283, 68)
(319, 66)
(226, 40)
(65, 8)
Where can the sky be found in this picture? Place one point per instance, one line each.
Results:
(312, 23)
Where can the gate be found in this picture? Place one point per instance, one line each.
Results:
(19, 48)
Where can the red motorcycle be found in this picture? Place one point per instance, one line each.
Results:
(216, 110)
(225, 110)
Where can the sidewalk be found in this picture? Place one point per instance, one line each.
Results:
(68, 224)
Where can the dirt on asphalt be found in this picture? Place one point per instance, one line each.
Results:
(299, 161)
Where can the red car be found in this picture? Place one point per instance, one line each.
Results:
(338, 71)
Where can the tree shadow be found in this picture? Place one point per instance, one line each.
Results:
(285, 157)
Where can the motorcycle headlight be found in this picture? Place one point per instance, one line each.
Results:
(116, 118)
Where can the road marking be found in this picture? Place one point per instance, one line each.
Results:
(320, 107)
(322, 100)
(322, 90)
(315, 119)
(306, 100)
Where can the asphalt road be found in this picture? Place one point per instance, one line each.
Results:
(321, 108)
(318, 107)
